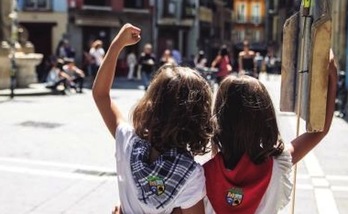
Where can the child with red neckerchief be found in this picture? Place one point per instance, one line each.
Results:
(251, 171)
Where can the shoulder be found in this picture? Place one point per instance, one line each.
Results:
(284, 161)
(278, 192)
(194, 189)
(211, 166)
(123, 131)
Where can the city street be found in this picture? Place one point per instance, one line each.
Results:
(56, 156)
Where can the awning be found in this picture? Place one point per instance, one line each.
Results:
(99, 21)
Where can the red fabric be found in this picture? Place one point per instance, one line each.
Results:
(247, 180)
(223, 70)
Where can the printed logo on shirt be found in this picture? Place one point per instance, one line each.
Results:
(234, 196)
(156, 185)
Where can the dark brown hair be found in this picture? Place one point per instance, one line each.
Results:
(246, 121)
(176, 111)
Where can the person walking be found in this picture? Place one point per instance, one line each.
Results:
(97, 52)
(223, 63)
(147, 64)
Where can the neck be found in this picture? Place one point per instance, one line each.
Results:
(154, 155)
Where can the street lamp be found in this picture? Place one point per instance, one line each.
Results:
(13, 40)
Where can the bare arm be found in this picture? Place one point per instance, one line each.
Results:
(64, 75)
(216, 61)
(198, 208)
(111, 114)
(79, 71)
(307, 141)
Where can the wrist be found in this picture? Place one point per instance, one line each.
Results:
(116, 43)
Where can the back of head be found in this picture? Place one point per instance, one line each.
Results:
(223, 50)
(97, 44)
(175, 111)
(147, 48)
(246, 121)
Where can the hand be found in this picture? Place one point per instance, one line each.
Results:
(128, 35)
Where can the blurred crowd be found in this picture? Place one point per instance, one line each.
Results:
(62, 75)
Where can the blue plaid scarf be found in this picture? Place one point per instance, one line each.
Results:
(160, 181)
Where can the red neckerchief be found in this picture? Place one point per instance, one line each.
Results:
(239, 190)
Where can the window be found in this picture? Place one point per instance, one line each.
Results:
(257, 35)
(241, 12)
(189, 9)
(96, 2)
(170, 7)
(240, 35)
(136, 4)
(256, 13)
(37, 5)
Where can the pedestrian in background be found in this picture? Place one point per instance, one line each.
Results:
(271, 62)
(171, 123)
(167, 58)
(131, 62)
(258, 62)
(147, 64)
(56, 78)
(223, 62)
(251, 171)
(246, 61)
(75, 74)
(200, 60)
(97, 52)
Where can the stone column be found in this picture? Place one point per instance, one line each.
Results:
(5, 21)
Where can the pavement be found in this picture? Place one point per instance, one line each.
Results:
(38, 89)
(56, 155)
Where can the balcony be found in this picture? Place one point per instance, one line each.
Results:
(96, 5)
(254, 20)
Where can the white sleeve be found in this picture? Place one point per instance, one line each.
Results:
(194, 189)
(284, 163)
(124, 132)
(278, 192)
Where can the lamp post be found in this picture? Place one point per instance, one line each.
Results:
(13, 40)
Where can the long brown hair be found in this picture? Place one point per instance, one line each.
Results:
(246, 121)
(176, 111)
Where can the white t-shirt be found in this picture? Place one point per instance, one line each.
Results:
(98, 55)
(278, 192)
(191, 192)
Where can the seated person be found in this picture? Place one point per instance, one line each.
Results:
(76, 75)
(56, 78)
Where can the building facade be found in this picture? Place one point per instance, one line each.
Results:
(249, 23)
(102, 19)
(185, 25)
(43, 22)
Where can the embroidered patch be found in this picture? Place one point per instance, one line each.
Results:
(156, 185)
(234, 196)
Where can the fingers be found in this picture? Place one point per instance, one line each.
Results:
(130, 34)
